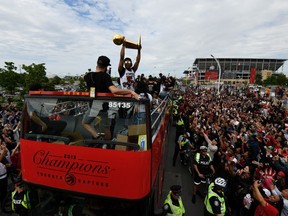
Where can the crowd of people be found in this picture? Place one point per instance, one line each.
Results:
(10, 161)
(239, 135)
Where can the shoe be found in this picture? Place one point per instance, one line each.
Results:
(193, 199)
(199, 194)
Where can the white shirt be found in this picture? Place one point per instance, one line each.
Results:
(127, 80)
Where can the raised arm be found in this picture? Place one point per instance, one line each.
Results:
(122, 55)
(138, 58)
(206, 137)
(257, 195)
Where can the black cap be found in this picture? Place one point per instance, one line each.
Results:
(103, 61)
(175, 188)
(19, 182)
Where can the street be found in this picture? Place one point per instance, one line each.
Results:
(180, 175)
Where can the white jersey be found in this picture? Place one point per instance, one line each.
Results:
(127, 80)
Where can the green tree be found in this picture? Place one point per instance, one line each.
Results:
(9, 79)
(276, 79)
(258, 79)
(35, 73)
(55, 80)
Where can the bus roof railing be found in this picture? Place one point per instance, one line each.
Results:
(86, 94)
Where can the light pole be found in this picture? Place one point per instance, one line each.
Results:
(219, 74)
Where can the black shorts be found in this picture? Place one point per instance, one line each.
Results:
(198, 180)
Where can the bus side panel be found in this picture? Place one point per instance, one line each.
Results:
(157, 146)
(111, 173)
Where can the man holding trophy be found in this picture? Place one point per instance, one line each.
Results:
(125, 68)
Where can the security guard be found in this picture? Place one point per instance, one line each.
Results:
(214, 203)
(180, 129)
(203, 166)
(184, 142)
(173, 204)
(20, 199)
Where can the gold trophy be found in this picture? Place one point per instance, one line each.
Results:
(119, 39)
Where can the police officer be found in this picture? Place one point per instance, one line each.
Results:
(203, 166)
(215, 203)
(20, 199)
(173, 204)
(180, 129)
(184, 142)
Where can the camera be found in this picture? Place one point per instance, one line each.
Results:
(260, 181)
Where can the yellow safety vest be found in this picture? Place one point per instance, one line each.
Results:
(176, 210)
(175, 111)
(25, 202)
(197, 157)
(184, 141)
(180, 122)
(210, 194)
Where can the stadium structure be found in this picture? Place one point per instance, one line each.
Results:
(232, 70)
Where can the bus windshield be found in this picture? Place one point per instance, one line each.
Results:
(119, 124)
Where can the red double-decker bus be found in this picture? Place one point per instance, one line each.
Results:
(118, 173)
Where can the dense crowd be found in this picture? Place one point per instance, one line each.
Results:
(246, 135)
(9, 144)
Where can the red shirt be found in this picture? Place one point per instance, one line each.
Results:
(267, 210)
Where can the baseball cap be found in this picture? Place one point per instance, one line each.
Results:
(19, 182)
(281, 173)
(176, 189)
(203, 147)
(103, 61)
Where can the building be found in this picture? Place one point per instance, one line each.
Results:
(233, 70)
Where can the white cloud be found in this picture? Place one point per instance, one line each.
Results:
(69, 35)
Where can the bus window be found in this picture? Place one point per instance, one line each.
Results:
(64, 119)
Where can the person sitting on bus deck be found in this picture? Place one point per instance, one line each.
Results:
(102, 82)
(103, 123)
(173, 204)
(203, 166)
(156, 100)
(41, 124)
(20, 199)
(141, 88)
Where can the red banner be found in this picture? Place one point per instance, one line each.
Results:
(211, 75)
(112, 173)
(252, 75)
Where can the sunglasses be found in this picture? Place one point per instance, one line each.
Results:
(127, 61)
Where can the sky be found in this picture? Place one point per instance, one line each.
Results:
(69, 35)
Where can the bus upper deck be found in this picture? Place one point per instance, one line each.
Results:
(64, 156)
